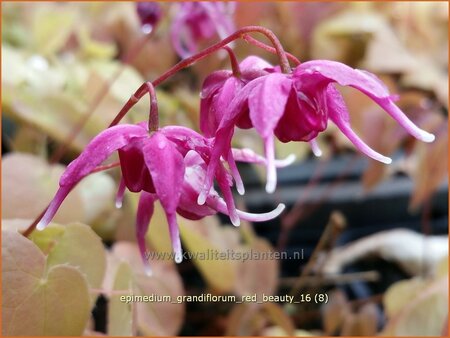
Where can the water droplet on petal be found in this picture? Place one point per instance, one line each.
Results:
(162, 144)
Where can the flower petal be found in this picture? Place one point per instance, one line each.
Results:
(103, 145)
(98, 150)
(269, 149)
(120, 193)
(315, 147)
(167, 170)
(143, 216)
(235, 173)
(367, 83)
(339, 115)
(249, 156)
(53, 207)
(219, 204)
(267, 102)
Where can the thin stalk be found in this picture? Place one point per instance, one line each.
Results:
(234, 62)
(270, 49)
(283, 59)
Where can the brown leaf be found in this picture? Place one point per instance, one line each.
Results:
(257, 275)
(431, 170)
(334, 312)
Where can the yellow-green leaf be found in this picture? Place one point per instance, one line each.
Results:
(36, 302)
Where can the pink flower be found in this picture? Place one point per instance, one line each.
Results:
(167, 165)
(200, 20)
(297, 107)
(149, 13)
(221, 86)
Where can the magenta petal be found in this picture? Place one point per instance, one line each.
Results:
(54, 205)
(222, 144)
(339, 115)
(367, 83)
(253, 67)
(267, 102)
(143, 216)
(120, 193)
(98, 150)
(193, 180)
(224, 185)
(167, 170)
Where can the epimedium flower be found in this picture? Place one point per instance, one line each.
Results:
(168, 165)
(195, 21)
(297, 107)
(149, 13)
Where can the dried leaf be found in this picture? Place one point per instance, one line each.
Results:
(257, 275)
(423, 313)
(404, 247)
(431, 170)
(206, 237)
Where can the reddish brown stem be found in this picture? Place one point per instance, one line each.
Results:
(234, 62)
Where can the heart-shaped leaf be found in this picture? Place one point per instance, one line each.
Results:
(39, 302)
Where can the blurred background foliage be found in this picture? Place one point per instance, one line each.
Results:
(68, 68)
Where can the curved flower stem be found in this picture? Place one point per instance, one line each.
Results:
(283, 59)
(153, 118)
(234, 62)
(144, 88)
(269, 49)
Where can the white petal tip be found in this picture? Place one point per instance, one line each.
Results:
(118, 204)
(148, 270)
(385, 160)
(270, 187)
(285, 162)
(201, 198)
(290, 159)
(235, 221)
(41, 226)
(178, 258)
(240, 190)
(317, 152)
(427, 137)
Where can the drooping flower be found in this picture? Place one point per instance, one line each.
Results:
(149, 13)
(166, 165)
(297, 107)
(221, 86)
(198, 20)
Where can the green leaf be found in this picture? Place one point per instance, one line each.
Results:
(47, 238)
(80, 247)
(36, 302)
(120, 314)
